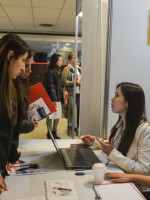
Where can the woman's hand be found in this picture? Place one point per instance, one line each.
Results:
(20, 161)
(33, 120)
(119, 177)
(78, 82)
(88, 139)
(3, 186)
(106, 147)
(65, 93)
(55, 103)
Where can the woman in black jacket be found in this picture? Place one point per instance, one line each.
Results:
(13, 54)
(24, 125)
(54, 89)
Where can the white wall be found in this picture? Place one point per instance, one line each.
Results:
(130, 54)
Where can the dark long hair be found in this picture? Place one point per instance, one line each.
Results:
(19, 47)
(135, 97)
(22, 87)
(53, 64)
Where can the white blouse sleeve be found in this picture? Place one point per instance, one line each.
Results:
(137, 160)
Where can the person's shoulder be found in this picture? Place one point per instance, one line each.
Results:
(66, 68)
(144, 127)
(144, 124)
(147, 125)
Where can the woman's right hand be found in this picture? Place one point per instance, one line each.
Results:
(88, 139)
(55, 103)
(65, 93)
(3, 186)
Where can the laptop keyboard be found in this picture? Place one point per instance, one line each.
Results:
(89, 156)
(75, 157)
(82, 157)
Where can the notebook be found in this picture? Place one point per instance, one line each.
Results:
(76, 158)
(118, 191)
(60, 190)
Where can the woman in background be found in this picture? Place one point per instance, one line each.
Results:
(129, 142)
(52, 83)
(13, 54)
(68, 83)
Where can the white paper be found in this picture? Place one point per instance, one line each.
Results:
(34, 109)
(60, 190)
(12, 170)
(118, 191)
(58, 113)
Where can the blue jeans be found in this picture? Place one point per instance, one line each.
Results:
(55, 124)
(77, 108)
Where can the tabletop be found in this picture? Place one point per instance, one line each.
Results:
(43, 152)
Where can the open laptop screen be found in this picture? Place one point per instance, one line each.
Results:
(56, 145)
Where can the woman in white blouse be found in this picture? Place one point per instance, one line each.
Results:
(129, 141)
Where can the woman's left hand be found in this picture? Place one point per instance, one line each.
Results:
(106, 147)
(79, 82)
(33, 120)
(3, 186)
(119, 177)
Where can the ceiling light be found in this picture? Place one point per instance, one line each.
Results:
(46, 25)
(67, 44)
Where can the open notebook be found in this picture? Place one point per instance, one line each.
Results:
(118, 191)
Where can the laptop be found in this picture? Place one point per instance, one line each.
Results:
(79, 158)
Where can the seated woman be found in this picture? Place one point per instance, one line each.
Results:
(129, 141)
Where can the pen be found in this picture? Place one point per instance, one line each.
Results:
(79, 173)
(83, 173)
(24, 168)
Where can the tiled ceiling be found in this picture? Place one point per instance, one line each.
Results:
(25, 16)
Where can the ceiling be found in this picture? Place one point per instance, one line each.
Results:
(25, 16)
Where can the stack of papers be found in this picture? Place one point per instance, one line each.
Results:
(24, 169)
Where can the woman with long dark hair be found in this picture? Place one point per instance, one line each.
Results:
(24, 125)
(13, 54)
(129, 142)
(52, 83)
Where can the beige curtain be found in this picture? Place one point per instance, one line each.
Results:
(94, 42)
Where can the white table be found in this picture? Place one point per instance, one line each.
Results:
(44, 153)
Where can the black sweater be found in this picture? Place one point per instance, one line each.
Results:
(52, 83)
(6, 133)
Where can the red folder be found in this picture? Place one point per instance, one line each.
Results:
(37, 91)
